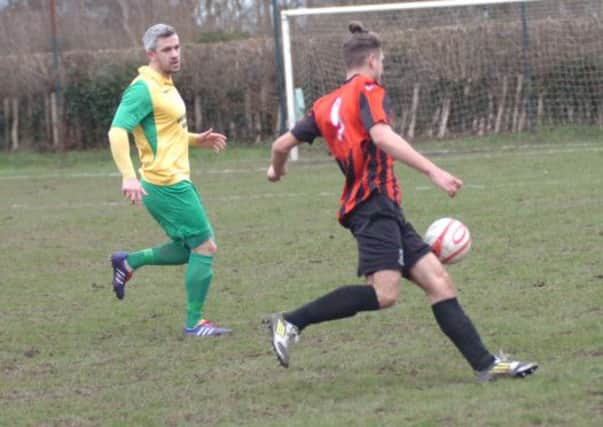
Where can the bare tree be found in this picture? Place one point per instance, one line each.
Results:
(125, 13)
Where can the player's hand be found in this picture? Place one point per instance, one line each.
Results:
(445, 181)
(214, 140)
(272, 175)
(132, 190)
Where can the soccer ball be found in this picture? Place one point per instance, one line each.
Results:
(449, 239)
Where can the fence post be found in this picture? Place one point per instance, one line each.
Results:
(56, 96)
(15, 125)
(527, 70)
(198, 113)
(54, 119)
(6, 110)
(276, 23)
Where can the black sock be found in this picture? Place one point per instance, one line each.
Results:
(345, 301)
(458, 327)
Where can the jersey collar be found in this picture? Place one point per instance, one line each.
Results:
(148, 72)
(367, 78)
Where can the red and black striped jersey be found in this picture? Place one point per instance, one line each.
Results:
(344, 118)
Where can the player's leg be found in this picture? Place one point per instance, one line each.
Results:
(387, 286)
(125, 263)
(345, 301)
(199, 274)
(425, 270)
(378, 241)
(198, 235)
(430, 275)
(171, 253)
(159, 204)
(378, 247)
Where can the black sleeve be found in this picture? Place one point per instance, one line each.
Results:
(375, 109)
(306, 129)
(388, 108)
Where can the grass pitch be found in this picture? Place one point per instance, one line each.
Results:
(72, 354)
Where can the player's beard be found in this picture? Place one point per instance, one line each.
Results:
(170, 68)
(175, 67)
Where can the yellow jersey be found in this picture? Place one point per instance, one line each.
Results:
(153, 111)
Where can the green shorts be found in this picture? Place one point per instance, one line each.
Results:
(179, 211)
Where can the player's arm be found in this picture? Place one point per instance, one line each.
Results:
(280, 153)
(375, 108)
(120, 150)
(208, 139)
(393, 144)
(134, 106)
(305, 130)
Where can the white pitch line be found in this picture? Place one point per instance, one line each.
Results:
(507, 150)
(260, 196)
(70, 206)
(59, 175)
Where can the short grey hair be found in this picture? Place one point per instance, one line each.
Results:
(157, 31)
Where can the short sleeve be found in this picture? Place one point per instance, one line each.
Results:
(306, 129)
(375, 106)
(135, 105)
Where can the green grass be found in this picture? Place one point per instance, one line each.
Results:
(71, 354)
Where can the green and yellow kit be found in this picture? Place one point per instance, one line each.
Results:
(154, 112)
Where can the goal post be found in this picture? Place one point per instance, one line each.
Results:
(460, 67)
(288, 70)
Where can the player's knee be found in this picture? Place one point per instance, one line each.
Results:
(208, 247)
(387, 288)
(444, 279)
(441, 286)
(441, 276)
(388, 298)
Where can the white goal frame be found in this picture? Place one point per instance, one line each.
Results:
(286, 35)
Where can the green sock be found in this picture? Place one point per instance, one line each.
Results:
(173, 253)
(198, 278)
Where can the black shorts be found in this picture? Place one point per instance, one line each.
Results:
(386, 241)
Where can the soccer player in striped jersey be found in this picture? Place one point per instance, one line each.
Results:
(151, 108)
(354, 121)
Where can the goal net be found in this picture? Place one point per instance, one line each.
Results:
(462, 67)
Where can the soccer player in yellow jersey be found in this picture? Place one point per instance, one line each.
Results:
(151, 108)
